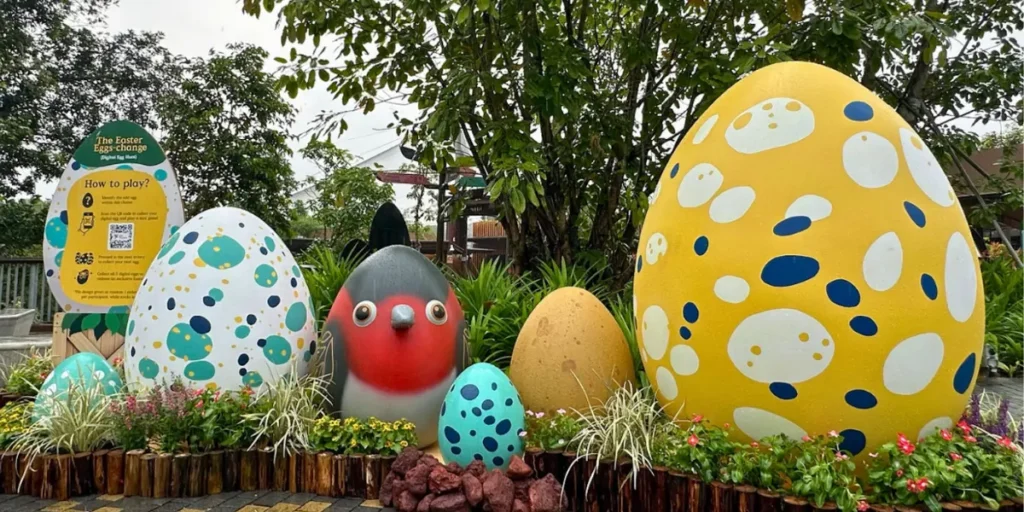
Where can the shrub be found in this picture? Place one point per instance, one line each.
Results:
(75, 422)
(14, 420)
(702, 449)
(1004, 307)
(325, 273)
(551, 431)
(762, 465)
(353, 435)
(821, 472)
(25, 377)
(283, 413)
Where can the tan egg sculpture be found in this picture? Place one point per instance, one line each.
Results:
(569, 349)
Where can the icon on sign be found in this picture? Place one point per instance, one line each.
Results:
(87, 222)
(87, 200)
(83, 276)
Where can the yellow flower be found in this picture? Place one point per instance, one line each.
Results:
(404, 444)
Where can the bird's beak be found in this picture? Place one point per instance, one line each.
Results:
(402, 317)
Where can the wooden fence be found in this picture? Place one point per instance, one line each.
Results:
(23, 280)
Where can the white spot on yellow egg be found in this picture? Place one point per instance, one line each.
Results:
(883, 262)
(705, 129)
(784, 357)
(759, 424)
(657, 246)
(731, 204)
(912, 364)
(699, 185)
(684, 360)
(925, 169)
(751, 132)
(870, 160)
(961, 281)
(810, 206)
(732, 289)
(666, 383)
(655, 332)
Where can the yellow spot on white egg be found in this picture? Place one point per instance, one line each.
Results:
(300, 342)
(165, 368)
(804, 337)
(824, 342)
(191, 276)
(817, 356)
(238, 319)
(199, 262)
(772, 126)
(171, 273)
(750, 363)
(180, 316)
(766, 106)
(157, 344)
(793, 106)
(754, 349)
(224, 281)
(178, 288)
(154, 317)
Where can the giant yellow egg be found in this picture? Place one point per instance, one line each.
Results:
(805, 267)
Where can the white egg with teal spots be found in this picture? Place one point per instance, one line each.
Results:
(223, 305)
(83, 371)
(481, 418)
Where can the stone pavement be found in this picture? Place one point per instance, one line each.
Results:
(256, 501)
(1010, 388)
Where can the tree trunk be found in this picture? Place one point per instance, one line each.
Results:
(340, 474)
(81, 474)
(232, 469)
(281, 463)
(371, 465)
(355, 484)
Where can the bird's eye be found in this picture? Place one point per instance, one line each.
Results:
(364, 313)
(436, 312)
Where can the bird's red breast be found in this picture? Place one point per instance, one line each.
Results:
(400, 360)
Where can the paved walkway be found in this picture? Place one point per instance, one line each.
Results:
(1009, 388)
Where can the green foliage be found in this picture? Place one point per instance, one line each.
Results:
(21, 222)
(763, 465)
(26, 376)
(1004, 307)
(225, 127)
(64, 75)
(284, 412)
(702, 449)
(79, 421)
(572, 108)
(622, 310)
(14, 420)
(552, 431)
(821, 473)
(364, 437)
(325, 273)
(347, 196)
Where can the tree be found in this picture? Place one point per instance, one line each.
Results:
(571, 107)
(424, 206)
(21, 227)
(225, 130)
(347, 196)
(61, 77)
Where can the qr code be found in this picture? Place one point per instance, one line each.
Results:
(121, 237)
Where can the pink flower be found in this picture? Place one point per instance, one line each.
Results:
(530, 413)
(540, 415)
(971, 439)
(692, 440)
(841, 456)
(833, 433)
(199, 404)
(697, 418)
(955, 456)
(964, 427)
(946, 435)
(899, 473)
(805, 438)
(560, 411)
(522, 433)
(1006, 442)
(754, 444)
(900, 438)
(862, 506)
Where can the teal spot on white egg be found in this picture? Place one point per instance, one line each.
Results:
(295, 271)
(296, 317)
(306, 356)
(174, 229)
(176, 257)
(252, 379)
(58, 258)
(168, 245)
(160, 175)
(276, 349)
(242, 331)
(56, 233)
(148, 368)
(269, 242)
(184, 342)
(200, 370)
(221, 252)
(216, 294)
(481, 418)
(265, 276)
(131, 326)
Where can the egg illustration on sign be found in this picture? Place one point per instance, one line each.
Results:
(223, 305)
(818, 272)
(397, 332)
(83, 371)
(481, 419)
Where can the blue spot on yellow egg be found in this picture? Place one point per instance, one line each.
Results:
(503, 427)
(200, 324)
(160, 175)
(253, 379)
(964, 374)
(858, 111)
(273, 301)
(148, 368)
(469, 392)
(200, 370)
(277, 349)
(789, 270)
(792, 225)
(928, 286)
(170, 304)
(783, 390)
(242, 331)
(674, 171)
(296, 317)
(221, 252)
(861, 399)
(915, 213)
(690, 312)
(176, 257)
(684, 332)
(56, 233)
(843, 293)
(265, 276)
(639, 263)
(853, 441)
(864, 326)
(700, 245)
(190, 238)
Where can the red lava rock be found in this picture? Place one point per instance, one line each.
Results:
(519, 506)
(406, 502)
(546, 494)
(476, 468)
(416, 479)
(455, 468)
(454, 502)
(406, 460)
(429, 460)
(473, 489)
(518, 469)
(498, 491)
(387, 489)
(424, 505)
(522, 489)
(441, 480)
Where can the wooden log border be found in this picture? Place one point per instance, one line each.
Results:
(64, 476)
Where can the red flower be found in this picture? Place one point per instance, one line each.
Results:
(725, 425)
(899, 473)
(1006, 442)
(917, 486)
(199, 404)
(697, 418)
(907, 448)
(805, 438)
(971, 439)
(862, 506)
(964, 427)
(946, 435)
(43, 375)
(955, 456)
(692, 440)
(754, 444)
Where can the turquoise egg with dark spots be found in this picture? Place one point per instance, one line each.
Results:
(481, 418)
(83, 371)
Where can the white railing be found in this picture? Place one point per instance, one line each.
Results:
(23, 284)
